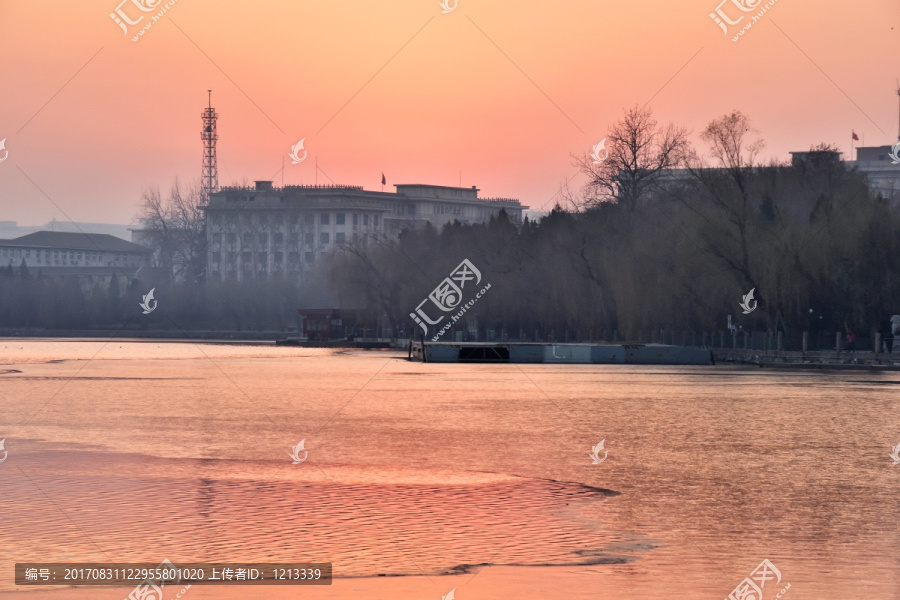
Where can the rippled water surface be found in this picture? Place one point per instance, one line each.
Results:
(473, 477)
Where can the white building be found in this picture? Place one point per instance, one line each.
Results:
(878, 165)
(91, 257)
(254, 233)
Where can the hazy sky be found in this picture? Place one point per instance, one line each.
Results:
(503, 91)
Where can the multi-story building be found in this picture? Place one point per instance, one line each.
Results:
(92, 257)
(256, 232)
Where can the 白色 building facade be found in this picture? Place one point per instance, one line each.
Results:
(263, 231)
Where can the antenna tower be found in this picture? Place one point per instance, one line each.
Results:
(898, 122)
(209, 136)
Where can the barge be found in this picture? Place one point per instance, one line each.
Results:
(524, 352)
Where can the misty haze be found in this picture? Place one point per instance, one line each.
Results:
(449, 299)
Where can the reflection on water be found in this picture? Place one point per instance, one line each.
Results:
(364, 528)
(151, 450)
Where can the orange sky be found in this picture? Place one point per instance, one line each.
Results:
(450, 101)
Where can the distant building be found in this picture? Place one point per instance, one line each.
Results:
(92, 257)
(415, 204)
(873, 162)
(879, 167)
(11, 230)
(254, 233)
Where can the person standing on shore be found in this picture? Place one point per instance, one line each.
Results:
(851, 338)
(887, 336)
(895, 329)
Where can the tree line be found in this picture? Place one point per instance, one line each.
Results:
(663, 238)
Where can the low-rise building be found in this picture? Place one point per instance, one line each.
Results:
(879, 166)
(92, 257)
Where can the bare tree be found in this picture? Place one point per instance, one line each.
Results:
(637, 151)
(725, 187)
(728, 140)
(175, 228)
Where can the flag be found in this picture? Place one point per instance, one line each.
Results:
(383, 180)
(855, 137)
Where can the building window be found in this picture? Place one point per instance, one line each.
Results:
(339, 238)
(216, 256)
(263, 238)
(323, 238)
(309, 239)
(217, 238)
(247, 237)
(278, 238)
(375, 220)
(232, 237)
(279, 257)
(339, 219)
(366, 220)
(245, 259)
(325, 218)
(355, 219)
(308, 257)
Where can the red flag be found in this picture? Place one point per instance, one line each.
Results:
(855, 137)
(383, 180)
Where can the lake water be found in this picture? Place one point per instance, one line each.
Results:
(448, 476)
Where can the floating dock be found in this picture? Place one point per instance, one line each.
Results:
(523, 352)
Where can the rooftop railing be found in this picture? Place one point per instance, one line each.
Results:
(252, 189)
(511, 200)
